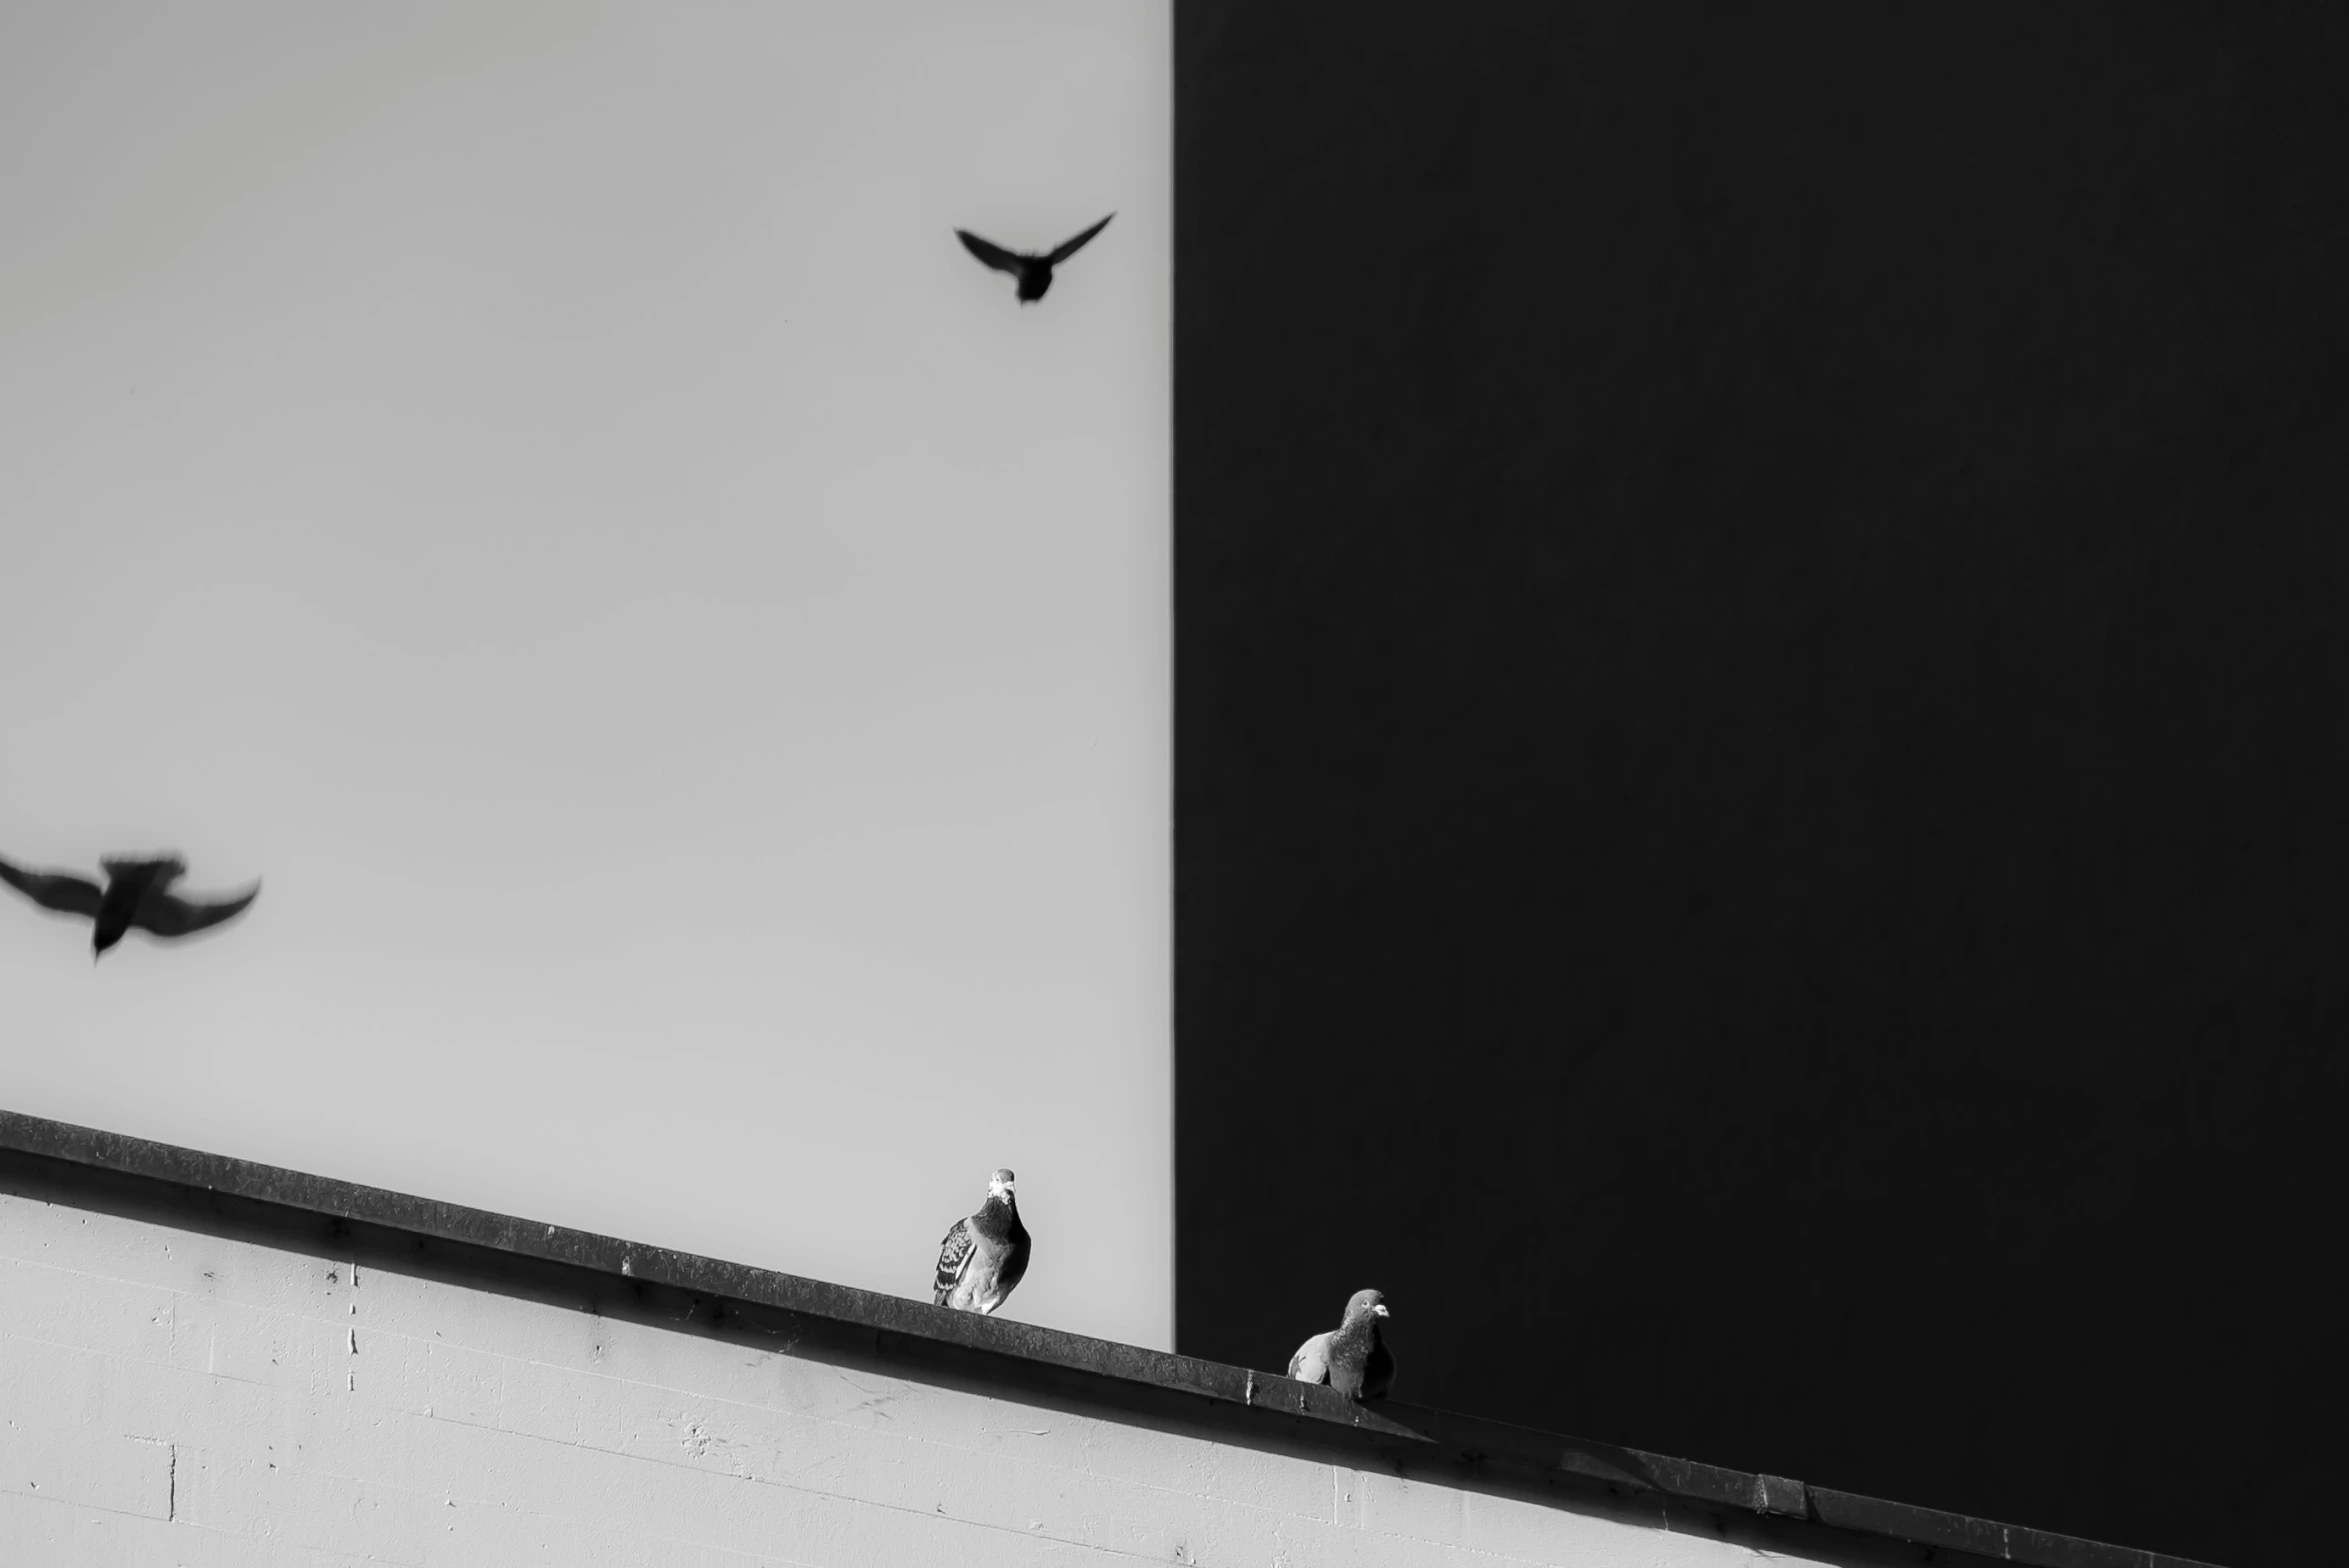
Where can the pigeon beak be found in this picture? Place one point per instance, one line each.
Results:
(1380, 1309)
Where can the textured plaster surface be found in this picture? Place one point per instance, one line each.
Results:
(174, 1398)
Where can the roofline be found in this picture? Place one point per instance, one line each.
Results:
(84, 1167)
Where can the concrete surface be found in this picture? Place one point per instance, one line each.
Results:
(179, 1398)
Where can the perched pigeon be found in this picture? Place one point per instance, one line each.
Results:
(137, 893)
(1033, 271)
(982, 1258)
(1349, 1358)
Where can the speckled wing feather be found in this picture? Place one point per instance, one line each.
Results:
(61, 891)
(954, 1256)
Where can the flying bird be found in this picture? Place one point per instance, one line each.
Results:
(1350, 1358)
(983, 1257)
(1033, 271)
(137, 893)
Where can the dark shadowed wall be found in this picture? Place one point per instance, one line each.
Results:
(1763, 732)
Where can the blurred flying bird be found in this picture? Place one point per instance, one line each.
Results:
(983, 1258)
(1033, 271)
(1350, 1358)
(137, 893)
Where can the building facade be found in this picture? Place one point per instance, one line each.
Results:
(1760, 678)
(209, 1362)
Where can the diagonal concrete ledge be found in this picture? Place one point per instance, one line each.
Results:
(84, 1166)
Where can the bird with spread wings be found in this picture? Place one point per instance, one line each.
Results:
(1033, 269)
(137, 895)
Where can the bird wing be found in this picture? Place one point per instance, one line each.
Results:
(992, 254)
(1311, 1362)
(954, 1256)
(168, 914)
(1067, 248)
(58, 890)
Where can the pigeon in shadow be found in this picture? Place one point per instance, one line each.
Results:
(1033, 271)
(137, 893)
(1350, 1358)
(985, 1256)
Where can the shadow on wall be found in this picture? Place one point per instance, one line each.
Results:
(1763, 705)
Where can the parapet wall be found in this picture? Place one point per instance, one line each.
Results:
(210, 1362)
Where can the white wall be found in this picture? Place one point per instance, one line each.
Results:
(179, 1399)
(688, 655)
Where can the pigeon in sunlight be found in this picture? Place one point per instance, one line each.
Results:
(983, 1258)
(137, 894)
(1033, 271)
(1350, 1358)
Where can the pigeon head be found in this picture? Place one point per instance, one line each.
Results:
(999, 1185)
(1366, 1304)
